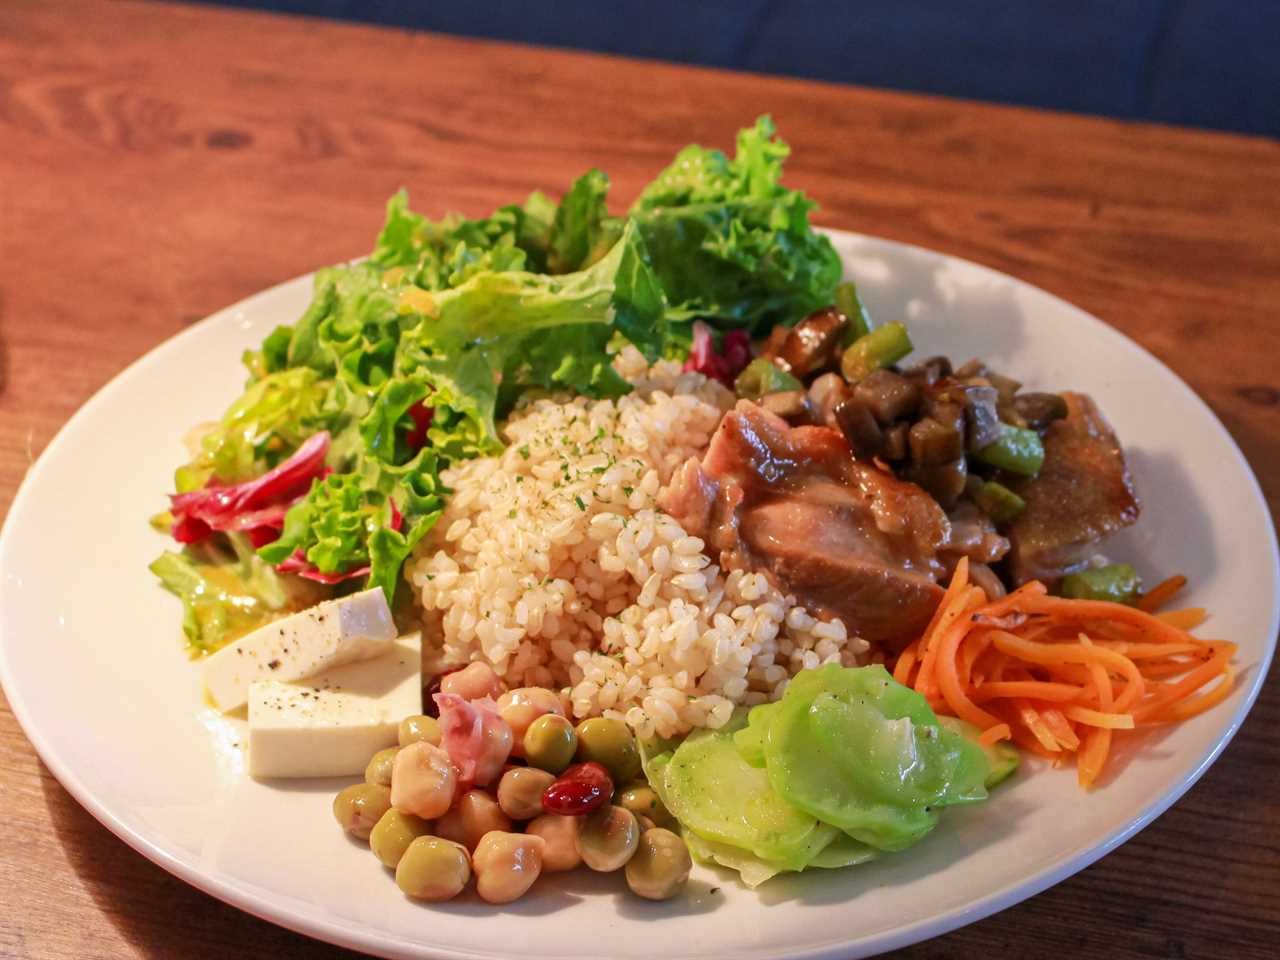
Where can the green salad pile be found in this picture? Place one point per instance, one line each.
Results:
(409, 359)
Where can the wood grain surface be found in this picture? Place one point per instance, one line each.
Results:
(159, 162)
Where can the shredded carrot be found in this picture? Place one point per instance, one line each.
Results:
(1161, 593)
(1187, 619)
(1057, 676)
(995, 734)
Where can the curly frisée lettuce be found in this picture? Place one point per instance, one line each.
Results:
(410, 359)
(727, 241)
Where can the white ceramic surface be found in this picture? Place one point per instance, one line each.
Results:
(92, 663)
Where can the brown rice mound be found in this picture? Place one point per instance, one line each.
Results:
(553, 563)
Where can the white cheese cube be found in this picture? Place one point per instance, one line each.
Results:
(327, 635)
(330, 725)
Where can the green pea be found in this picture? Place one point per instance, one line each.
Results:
(550, 743)
(379, 769)
(415, 728)
(392, 834)
(433, 869)
(642, 800)
(660, 865)
(610, 744)
(360, 806)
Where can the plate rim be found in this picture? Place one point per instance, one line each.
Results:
(310, 920)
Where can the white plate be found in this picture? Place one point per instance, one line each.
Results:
(91, 659)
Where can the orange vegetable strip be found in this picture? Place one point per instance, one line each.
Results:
(1050, 653)
(995, 734)
(1199, 704)
(1093, 611)
(1149, 651)
(976, 644)
(1097, 718)
(1161, 593)
(1192, 682)
(1057, 723)
(948, 612)
(906, 660)
(1187, 619)
(1092, 755)
(1036, 689)
(1035, 724)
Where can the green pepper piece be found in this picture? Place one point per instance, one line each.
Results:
(1018, 450)
(1117, 582)
(997, 501)
(762, 376)
(880, 348)
(850, 304)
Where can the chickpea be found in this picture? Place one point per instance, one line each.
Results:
(419, 727)
(520, 792)
(360, 806)
(494, 751)
(561, 836)
(507, 864)
(472, 682)
(608, 838)
(379, 769)
(645, 823)
(660, 866)
(433, 869)
(392, 835)
(475, 814)
(522, 706)
(423, 781)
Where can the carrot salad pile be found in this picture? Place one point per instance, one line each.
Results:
(1059, 676)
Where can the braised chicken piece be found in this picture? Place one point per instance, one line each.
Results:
(848, 539)
(1082, 494)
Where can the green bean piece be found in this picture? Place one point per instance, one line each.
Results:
(880, 348)
(1117, 582)
(1018, 450)
(762, 376)
(850, 304)
(997, 501)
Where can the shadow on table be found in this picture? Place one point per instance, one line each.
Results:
(157, 913)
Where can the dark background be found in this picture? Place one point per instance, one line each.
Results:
(1207, 63)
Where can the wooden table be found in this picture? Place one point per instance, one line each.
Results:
(159, 162)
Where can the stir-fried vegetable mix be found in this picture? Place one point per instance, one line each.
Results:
(407, 361)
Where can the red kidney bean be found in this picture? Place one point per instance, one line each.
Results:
(579, 790)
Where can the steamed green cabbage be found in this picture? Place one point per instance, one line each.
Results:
(848, 763)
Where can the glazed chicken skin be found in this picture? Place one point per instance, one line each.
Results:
(847, 538)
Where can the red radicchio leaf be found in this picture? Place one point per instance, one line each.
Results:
(255, 506)
(422, 416)
(299, 564)
(724, 366)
